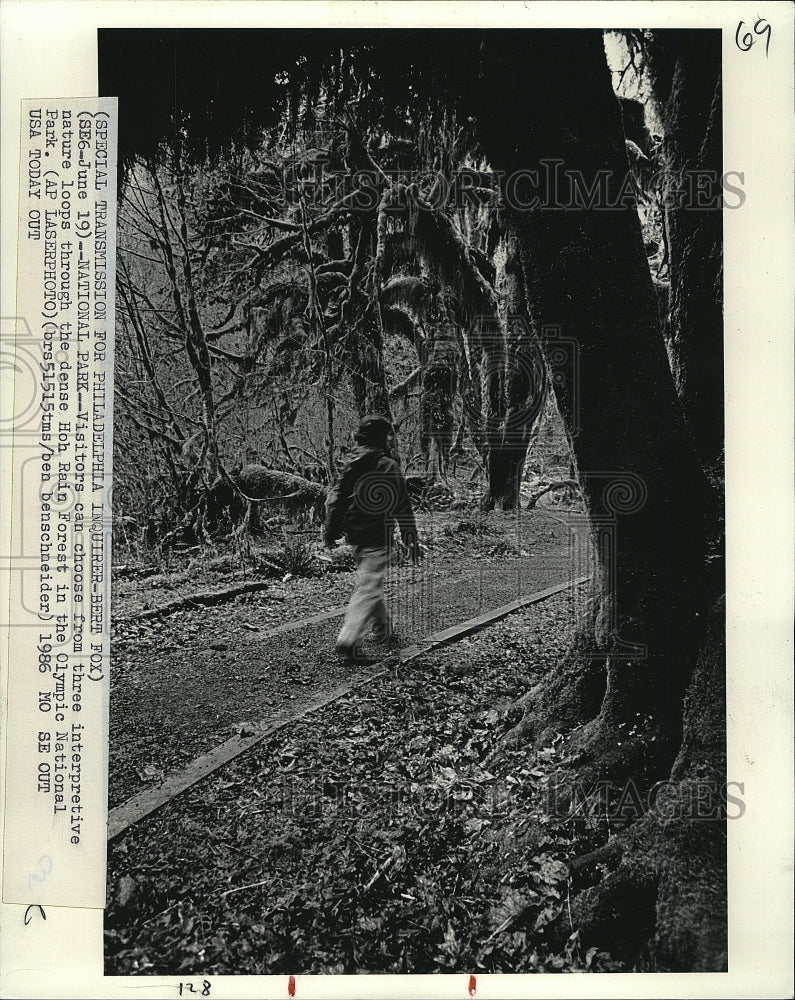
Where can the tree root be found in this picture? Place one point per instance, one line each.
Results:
(563, 700)
(631, 757)
(563, 484)
(655, 894)
(584, 871)
(637, 764)
(618, 915)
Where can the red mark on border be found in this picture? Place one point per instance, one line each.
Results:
(473, 985)
(291, 986)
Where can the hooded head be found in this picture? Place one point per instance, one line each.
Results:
(374, 431)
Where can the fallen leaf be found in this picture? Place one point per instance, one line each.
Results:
(149, 772)
(124, 890)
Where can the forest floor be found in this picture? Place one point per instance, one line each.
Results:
(191, 678)
(370, 835)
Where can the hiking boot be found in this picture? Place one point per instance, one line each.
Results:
(353, 656)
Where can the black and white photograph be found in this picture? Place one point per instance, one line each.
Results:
(418, 653)
(439, 516)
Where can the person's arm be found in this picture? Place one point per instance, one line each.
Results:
(338, 500)
(404, 515)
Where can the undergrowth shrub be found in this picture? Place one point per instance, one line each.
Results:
(297, 556)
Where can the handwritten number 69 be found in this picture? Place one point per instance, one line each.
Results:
(761, 27)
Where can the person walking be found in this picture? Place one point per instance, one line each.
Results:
(365, 503)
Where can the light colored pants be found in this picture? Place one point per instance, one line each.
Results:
(367, 604)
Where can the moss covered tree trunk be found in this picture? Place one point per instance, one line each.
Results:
(646, 642)
(686, 69)
(586, 272)
(364, 354)
(523, 388)
(439, 361)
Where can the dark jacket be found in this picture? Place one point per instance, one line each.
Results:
(368, 499)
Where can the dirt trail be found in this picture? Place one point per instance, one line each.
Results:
(183, 684)
(356, 838)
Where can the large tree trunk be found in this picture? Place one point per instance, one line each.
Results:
(586, 272)
(654, 627)
(364, 355)
(520, 403)
(686, 68)
(438, 358)
(524, 388)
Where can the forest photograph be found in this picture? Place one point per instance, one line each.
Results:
(418, 329)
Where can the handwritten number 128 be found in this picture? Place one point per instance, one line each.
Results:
(761, 27)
